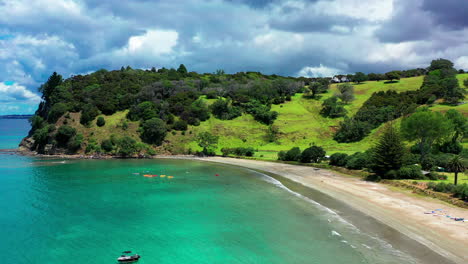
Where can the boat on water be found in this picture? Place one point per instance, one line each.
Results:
(128, 257)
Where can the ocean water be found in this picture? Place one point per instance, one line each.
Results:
(12, 131)
(89, 211)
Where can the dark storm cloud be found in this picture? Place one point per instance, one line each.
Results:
(272, 36)
(449, 13)
(409, 22)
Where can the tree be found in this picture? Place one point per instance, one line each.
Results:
(48, 88)
(359, 77)
(88, 114)
(388, 153)
(345, 92)
(352, 130)
(182, 70)
(312, 154)
(426, 127)
(393, 75)
(153, 131)
(460, 124)
(456, 165)
(143, 111)
(440, 64)
(315, 88)
(100, 121)
(332, 108)
(293, 154)
(208, 142)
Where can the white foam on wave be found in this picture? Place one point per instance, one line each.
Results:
(335, 216)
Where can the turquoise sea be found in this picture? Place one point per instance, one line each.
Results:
(89, 211)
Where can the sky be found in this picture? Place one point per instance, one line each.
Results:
(293, 37)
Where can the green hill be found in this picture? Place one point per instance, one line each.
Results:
(110, 95)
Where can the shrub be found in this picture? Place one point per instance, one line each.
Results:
(312, 154)
(92, 147)
(107, 145)
(153, 131)
(338, 159)
(282, 155)
(332, 108)
(357, 161)
(64, 134)
(143, 111)
(247, 152)
(126, 146)
(410, 172)
(180, 125)
(222, 110)
(88, 113)
(293, 154)
(352, 130)
(56, 112)
(453, 147)
(74, 144)
(100, 121)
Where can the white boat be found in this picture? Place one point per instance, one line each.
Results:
(128, 257)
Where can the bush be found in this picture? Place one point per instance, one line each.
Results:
(282, 155)
(312, 154)
(338, 159)
(247, 152)
(107, 145)
(126, 146)
(64, 134)
(100, 121)
(222, 110)
(180, 125)
(88, 114)
(74, 144)
(453, 147)
(410, 172)
(143, 111)
(332, 108)
(352, 130)
(357, 161)
(293, 154)
(56, 112)
(153, 131)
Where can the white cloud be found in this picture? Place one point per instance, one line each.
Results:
(278, 42)
(321, 71)
(462, 63)
(154, 42)
(16, 92)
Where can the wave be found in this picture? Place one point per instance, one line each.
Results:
(334, 217)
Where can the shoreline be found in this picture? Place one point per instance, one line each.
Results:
(444, 238)
(400, 211)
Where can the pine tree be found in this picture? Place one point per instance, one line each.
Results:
(388, 153)
(182, 69)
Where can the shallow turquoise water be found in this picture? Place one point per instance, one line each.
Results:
(69, 211)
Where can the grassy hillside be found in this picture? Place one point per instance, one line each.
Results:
(299, 124)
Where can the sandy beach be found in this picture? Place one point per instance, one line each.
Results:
(399, 210)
